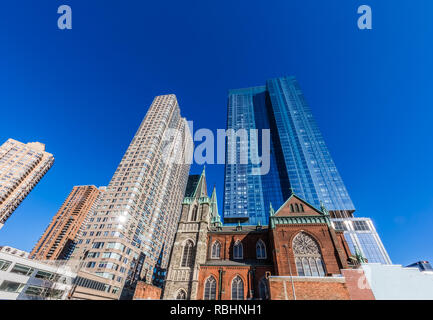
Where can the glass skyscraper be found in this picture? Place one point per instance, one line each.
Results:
(299, 159)
(299, 163)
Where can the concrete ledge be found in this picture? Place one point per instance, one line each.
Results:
(308, 279)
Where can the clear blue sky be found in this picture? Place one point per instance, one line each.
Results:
(84, 92)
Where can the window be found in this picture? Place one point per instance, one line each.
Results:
(216, 250)
(360, 225)
(55, 294)
(22, 269)
(181, 295)
(308, 258)
(260, 250)
(10, 286)
(210, 289)
(238, 250)
(4, 265)
(98, 245)
(35, 291)
(263, 289)
(115, 245)
(237, 289)
(194, 214)
(45, 275)
(187, 258)
(339, 225)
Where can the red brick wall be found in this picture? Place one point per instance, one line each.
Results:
(357, 284)
(284, 234)
(343, 243)
(248, 241)
(323, 289)
(147, 292)
(229, 273)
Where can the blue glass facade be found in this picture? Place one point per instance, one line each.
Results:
(299, 159)
(361, 235)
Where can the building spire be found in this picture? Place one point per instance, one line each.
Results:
(359, 255)
(201, 190)
(271, 210)
(214, 205)
(323, 209)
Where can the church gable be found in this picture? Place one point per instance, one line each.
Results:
(295, 206)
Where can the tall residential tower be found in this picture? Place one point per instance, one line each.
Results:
(21, 168)
(60, 237)
(137, 216)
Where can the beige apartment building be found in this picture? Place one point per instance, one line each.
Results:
(134, 224)
(60, 237)
(21, 167)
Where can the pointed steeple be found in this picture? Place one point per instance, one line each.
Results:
(323, 208)
(201, 190)
(214, 203)
(271, 210)
(259, 225)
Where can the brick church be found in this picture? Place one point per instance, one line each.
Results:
(299, 255)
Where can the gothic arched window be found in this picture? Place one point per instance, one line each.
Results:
(194, 214)
(260, 250)
(237, 289)
(216, 250)
(263, 289)
(309, 261)
(210, 289)
(238, 250)
(181, 295)
(187, 257)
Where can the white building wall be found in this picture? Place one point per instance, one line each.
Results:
(394, 282)
(14, 256)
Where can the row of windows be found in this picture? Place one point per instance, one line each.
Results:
(238, 250)
(296, 207)
(188, 252)
(237, 290)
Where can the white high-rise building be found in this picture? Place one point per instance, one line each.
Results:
(21, 168)
(135, 222)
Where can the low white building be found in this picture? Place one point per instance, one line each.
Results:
(22, 278)
(395, 282)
